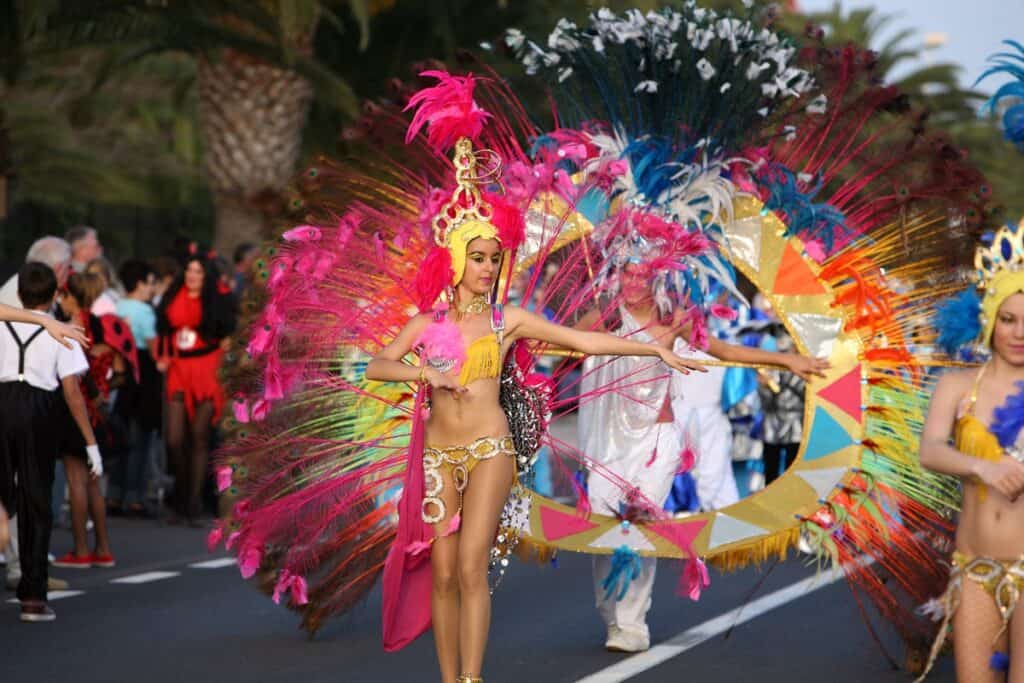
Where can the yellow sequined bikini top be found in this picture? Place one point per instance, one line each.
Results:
(973, 437)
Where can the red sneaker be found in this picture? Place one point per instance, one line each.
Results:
(72, 561)
(104, 561)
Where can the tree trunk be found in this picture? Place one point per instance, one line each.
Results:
(238, 220)
(251, 115)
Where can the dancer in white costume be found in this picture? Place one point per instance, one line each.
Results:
(631, 430)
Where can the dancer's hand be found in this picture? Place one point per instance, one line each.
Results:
(64, 333)
(805, 368)
(683, 365)
(439, 380)
(1005, 476)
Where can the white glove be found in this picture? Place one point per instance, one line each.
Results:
(95, 461)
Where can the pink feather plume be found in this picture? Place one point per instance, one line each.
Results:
(508, 219)
(447, 110)
(442, 339)
(433, 276)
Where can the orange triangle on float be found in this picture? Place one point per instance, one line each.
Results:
(845, 393)
(795, 277)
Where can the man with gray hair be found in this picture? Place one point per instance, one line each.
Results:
(50, 251)
(85, 246)
(56, 253)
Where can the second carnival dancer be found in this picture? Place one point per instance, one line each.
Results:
(631, 428)
(468, 458)
(983, 410)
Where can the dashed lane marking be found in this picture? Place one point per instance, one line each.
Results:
(215, 564)
(53, 595)
(146, 577)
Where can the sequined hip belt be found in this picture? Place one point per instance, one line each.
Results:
(460, 460)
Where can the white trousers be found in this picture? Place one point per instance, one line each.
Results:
(707, 430)
(629, 613)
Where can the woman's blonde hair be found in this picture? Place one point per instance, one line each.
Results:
(85, 288)
(102, 267)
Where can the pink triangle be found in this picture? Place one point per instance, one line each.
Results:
(558, 525)
(678, 532)
(845, 393)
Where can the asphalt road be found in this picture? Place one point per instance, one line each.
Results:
(172, 621)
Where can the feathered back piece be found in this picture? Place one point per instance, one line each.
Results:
(1009, 64)
(316, 453)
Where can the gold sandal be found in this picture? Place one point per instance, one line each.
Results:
(469, 678)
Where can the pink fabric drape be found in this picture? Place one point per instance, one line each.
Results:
(407, 576)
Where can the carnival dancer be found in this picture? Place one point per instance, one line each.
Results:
(194, 319)
(468, 457)
(630, 427)
(983, 411)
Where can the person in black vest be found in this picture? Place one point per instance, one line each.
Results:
(32, 367)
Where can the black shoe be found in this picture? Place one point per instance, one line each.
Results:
(32, 612)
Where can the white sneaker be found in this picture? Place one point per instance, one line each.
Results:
(626, 641)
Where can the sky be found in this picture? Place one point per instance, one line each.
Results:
(973, 29)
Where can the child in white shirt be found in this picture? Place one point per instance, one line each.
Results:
(32, 367)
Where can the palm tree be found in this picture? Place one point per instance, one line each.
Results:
(255, 77)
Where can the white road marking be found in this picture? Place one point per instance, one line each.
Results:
(215, 564)
(146, 577)
(691, 638)
(53, 595)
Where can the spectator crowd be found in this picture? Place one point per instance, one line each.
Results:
(121, 425)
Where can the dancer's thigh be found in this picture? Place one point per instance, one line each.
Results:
(488, 490)
(975, 625)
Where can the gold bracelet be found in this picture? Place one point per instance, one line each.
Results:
(422, 378)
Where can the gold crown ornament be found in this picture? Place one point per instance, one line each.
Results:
(466, 215)
(1000, 272)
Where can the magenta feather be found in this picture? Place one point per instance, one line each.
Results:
(433, 276)
(447, 110)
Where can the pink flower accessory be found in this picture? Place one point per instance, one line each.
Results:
(290, 582)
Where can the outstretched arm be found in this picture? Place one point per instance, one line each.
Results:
(801, 366)
(58, 330)
(526, 325)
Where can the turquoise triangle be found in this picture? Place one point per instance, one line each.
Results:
(827, 436)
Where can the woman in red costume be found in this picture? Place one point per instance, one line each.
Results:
(194, 319)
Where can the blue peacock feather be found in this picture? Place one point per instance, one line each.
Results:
(807, 220)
